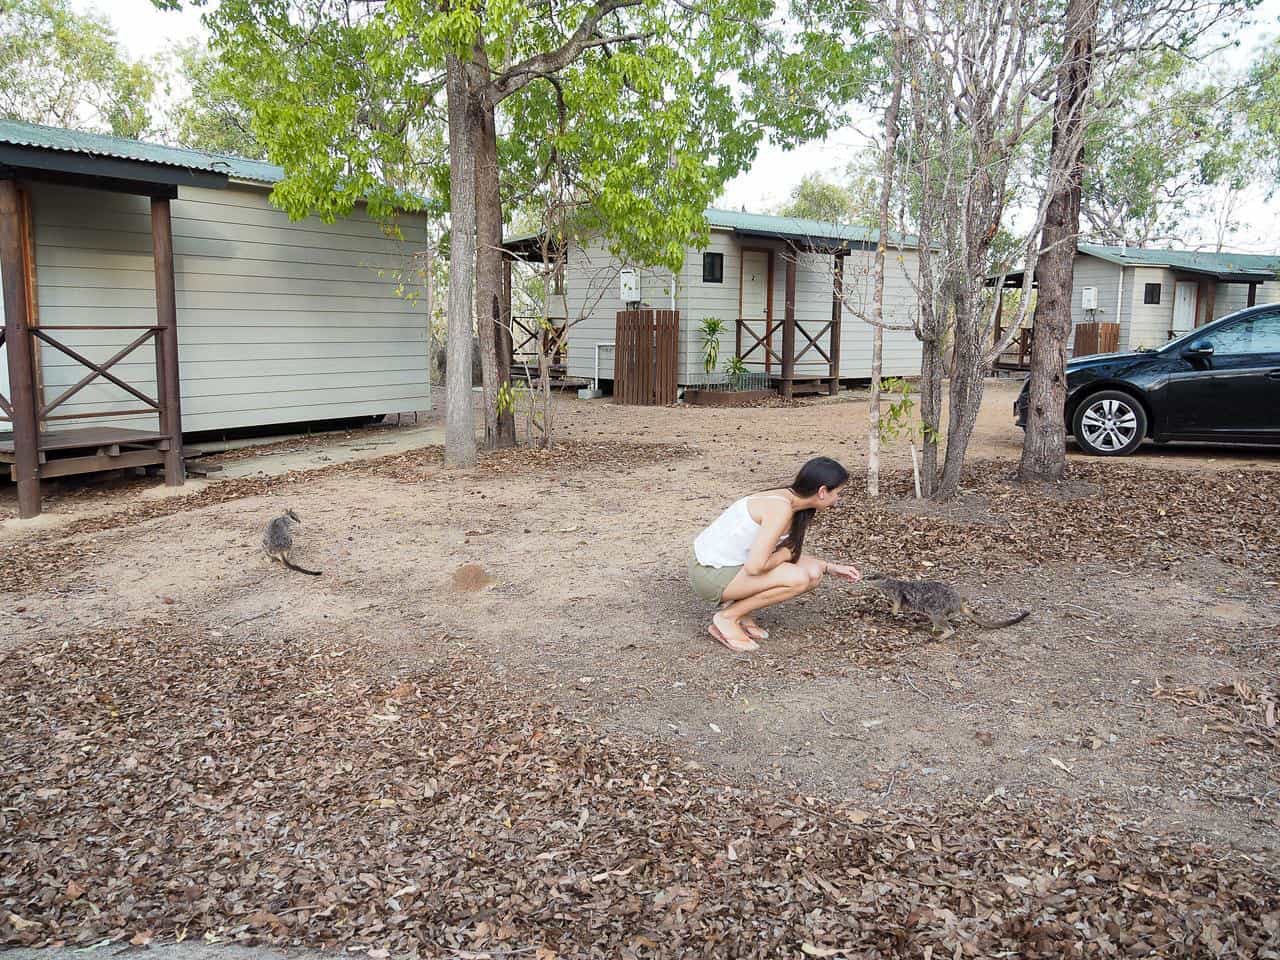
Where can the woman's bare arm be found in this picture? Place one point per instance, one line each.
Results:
(765, 555)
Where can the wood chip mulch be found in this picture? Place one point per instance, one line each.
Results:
(158, 786)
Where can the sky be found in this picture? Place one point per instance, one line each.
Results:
(145, 31)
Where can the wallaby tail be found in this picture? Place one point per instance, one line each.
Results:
(315, 573)
(994, 624)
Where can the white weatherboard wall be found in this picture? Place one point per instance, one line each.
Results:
(1105, 277)
(593, 299)
(278, 321)
(1231, 297)
(1151, 322)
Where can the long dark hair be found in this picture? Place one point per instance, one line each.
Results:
(818, 472)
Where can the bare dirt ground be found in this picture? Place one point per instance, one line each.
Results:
(1144, 683)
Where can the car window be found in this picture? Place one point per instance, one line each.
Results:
(1266, 334)
(1232, 338)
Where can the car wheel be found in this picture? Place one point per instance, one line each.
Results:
(1109, 424)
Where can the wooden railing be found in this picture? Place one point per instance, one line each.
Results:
(525, 335)
(1017, 356)
(754, 342)
(45, 411)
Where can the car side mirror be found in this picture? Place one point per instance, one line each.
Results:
(1201, 348)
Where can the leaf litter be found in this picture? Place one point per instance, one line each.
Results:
(157, 784)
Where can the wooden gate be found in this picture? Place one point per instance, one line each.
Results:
(1096, 337)
(647, 344)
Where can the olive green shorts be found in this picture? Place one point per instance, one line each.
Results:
(709, 582)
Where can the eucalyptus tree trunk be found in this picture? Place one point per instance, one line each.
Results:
(1044, 453)
(967, 383)
(886, 194)
(499, 427)
(460, 435)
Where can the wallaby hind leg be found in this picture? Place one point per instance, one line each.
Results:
(942, 628)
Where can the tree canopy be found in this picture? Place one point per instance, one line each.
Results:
(65, 69)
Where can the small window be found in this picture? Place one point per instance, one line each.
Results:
(1151, 293)
(713, 268)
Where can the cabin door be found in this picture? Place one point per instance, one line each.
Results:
(754, 297)
(1184, 306)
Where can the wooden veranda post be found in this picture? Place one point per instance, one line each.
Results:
(789, 330)
(17, 337)
(837, 292)
(505, 337)
(168, 390)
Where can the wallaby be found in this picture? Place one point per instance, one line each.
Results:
(278, 541)
(935, 599)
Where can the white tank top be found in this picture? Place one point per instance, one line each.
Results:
(727, 542)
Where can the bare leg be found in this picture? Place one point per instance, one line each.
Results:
(747, 593)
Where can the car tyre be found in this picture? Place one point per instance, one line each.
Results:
(1109, 423)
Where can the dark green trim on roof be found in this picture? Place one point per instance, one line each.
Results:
(56, 140)
(814, 234)
(111, 173)
(1239, 267)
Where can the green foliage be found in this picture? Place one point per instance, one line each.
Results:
(816, 198)
(899, 420)
(210, 117)
(1152, 155)
(66, 69)
(711, 328)
(1259, 103)
(736, 371)
(347, 97)
(507, 398)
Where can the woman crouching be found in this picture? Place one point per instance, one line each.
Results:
(750, 557)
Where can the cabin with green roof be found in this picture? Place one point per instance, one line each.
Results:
(151, 291)
(1146, 297)
(790, 293)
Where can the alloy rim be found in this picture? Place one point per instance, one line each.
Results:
(1109, 425)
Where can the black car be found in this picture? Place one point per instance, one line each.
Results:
(1218, 383)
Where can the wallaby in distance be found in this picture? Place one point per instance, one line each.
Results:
(934, 599)
(278, 541)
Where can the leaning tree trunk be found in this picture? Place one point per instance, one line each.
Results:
(931, 373)
(966, 397)
(499, 427)
(1044, 445)
(460, 435)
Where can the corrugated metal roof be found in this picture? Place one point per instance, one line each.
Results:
(768, 225)
(764, 223)
(1194, 261)
(101, 145)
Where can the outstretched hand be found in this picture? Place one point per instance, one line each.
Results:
(845, 571)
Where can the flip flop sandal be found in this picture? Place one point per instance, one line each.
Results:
(724, 641)
(756, 633)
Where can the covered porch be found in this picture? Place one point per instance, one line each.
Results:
(778, 347)
(44, 441)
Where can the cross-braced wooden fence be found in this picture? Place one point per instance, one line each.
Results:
(646, 357)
